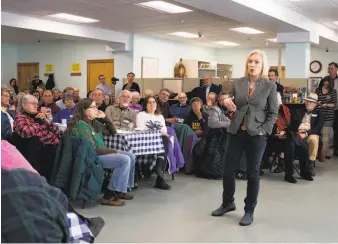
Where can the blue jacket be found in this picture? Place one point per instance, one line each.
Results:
(6, 129)
(180, 111)
(64, 114)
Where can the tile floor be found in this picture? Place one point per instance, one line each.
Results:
(305, 212)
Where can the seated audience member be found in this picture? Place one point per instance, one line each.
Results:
(23, 185)
(18, 101)
(162, 103)
(120, 114)
(131, 85)
(196, 119)
(7, 115)
(327, 98)
(37, 84)
(216, 117)
(40, 91)
(107, 100)
(26, 91)
(278, 135)
(48, 102)
(97, 96)
(68, 90)
(103, 86)
(146, 93)
(304, 139)
(56, 94)
(152, 119)
(36, 94)
(209, 87)
(134, 105)
(84, 125)
(68, 112)
(76, 95)
(13, 86)
(40, 132)
(181, 109)
(31, 123)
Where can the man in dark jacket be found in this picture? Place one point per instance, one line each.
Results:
(208, 87)
(304, 139)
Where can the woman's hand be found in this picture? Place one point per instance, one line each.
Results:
(40, 116)
(198, 113)
(101, 114)
(229, 104)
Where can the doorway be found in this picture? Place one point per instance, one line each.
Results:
(25, 74)
(282, 73)
(99, 67)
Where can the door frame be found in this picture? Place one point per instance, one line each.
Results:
(94, 62)
(26, 64)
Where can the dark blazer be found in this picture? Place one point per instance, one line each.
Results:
(317, 122)
(260, 109)
(134, 87)
(201, 92)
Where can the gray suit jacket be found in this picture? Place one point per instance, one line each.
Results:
(260, 111)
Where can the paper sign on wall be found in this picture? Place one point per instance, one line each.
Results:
(49, 68)
(76, 68)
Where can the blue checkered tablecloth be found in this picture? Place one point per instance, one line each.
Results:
(78, 230)
(139, 143)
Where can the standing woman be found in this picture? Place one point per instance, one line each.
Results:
(327, 98)
(13, 86)
(253, 99)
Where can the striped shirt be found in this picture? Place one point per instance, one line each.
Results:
(330, 97)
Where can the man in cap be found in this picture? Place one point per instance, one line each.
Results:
(303, 139)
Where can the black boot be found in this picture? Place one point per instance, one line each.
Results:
(161, 184)
(311, 169)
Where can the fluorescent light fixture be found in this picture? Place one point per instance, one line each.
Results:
(164, 7)
(184, 34)
(225, 43)
(273, 40)
(335, 22)
(73, 18)
(247, 30)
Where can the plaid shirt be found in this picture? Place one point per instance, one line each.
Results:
(27, 126)
(32, 211)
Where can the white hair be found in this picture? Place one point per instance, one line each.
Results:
(25, 99)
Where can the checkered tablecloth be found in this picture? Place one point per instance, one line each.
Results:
(78, 230)
(139, 143)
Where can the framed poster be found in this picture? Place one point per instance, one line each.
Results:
(313, 83)
(149, 67)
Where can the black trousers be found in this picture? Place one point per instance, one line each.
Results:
(254, 147)
(294, 146)
(335, 128)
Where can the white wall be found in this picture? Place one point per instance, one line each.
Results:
(8, 62)
(62, 54)
(237, 58)
(168, 53)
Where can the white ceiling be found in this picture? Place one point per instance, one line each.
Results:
(322, 11)
(123, 15)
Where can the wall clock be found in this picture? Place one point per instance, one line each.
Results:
(315, 66)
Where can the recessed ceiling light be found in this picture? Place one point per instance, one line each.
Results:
(164, 7)
(184, 34)
(273, 40)
(247, 30)
(225, 43)
(335, 22)
(73, 18)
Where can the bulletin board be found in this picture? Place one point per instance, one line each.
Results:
(149, 67)
(174, 85)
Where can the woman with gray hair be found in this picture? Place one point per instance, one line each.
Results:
(67, 113)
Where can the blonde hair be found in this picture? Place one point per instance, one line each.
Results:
(265, 69)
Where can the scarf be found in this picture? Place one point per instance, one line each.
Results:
(284, 118)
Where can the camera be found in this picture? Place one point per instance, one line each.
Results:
(199, 34)
(114, 80)
(327, 50)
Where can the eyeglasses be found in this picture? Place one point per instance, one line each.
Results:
(165, 94)
(33, 103)
(181, 97)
